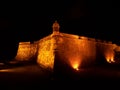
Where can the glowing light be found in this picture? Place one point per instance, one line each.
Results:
(76, 66)
(110, 59)
(75, 63)
(6, 70)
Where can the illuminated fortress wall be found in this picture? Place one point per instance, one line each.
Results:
(105, 51)
(26, 51)
(46, 55)
(72, 50)
(76, 51)
(79, 51)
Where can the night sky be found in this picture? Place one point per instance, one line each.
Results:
(29, 21)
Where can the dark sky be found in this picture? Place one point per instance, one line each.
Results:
(33, 20)
(27, 21)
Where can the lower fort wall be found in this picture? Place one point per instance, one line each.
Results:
(75, 51)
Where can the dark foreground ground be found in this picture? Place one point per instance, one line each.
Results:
(33, 76)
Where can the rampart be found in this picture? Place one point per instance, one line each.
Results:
(73, 50)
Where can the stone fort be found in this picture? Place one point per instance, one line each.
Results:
(72, 50)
